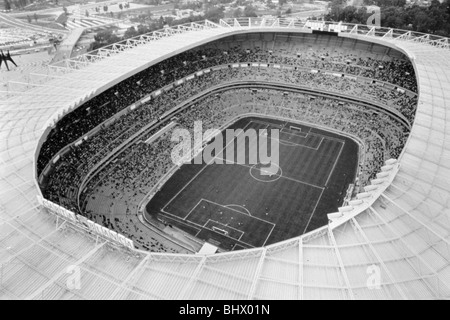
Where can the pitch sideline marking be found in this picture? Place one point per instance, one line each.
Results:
(190, 211)
(335, 163)
(266, 123)
(314, 211)
(267, 238)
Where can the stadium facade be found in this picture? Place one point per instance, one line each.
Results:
(393, 242)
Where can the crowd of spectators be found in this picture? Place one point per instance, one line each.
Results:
(125, 181)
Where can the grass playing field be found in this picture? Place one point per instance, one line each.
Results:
(239, 205)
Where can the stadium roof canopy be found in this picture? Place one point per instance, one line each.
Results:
(402, 235)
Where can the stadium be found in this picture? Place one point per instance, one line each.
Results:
(358, 208)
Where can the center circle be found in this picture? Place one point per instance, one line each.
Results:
(257, 170)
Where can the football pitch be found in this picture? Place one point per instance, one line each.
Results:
(237, 205)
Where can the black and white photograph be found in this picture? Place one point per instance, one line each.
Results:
(218, 155)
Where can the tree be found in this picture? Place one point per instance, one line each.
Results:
(142, 29)
(289, 11)
(250, 11)
(394, 14)
(215, 13)
(340, 12)
(35, 17)
(120, 6)
(270, 4)
(104, 38)
(169, 21)
(130, 33)
(237, 13)
(7, 5)
(386, 3)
